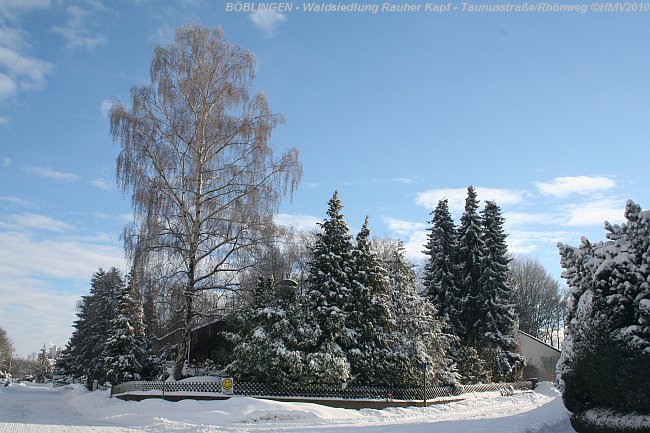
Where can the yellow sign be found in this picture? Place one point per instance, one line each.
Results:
(227, 385)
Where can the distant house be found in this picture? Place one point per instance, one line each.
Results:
(540, 357)
(209, 342)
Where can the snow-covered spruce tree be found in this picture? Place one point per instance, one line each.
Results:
(605, 364)
(269, 339)
(126, 351)
(498, 325)
(418, 337)
(328, 297)
(368, 317)
(471, 248)
(441, 271)
(82, 355)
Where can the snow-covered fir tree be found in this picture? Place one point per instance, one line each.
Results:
(441, 271)
(126, 351)
(268, 345)
(369, 317)
(82, 357)
(605, 361)
(328, 296)
(471, 248)
(418, 338)
(497, 324)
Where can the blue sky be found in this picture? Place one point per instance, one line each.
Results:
(546, 113)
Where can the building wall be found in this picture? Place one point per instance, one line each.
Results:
(540, 357)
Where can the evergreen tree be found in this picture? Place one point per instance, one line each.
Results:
(369, 318)
(271, 335)
(470, 256)
(45, 363)
(82, 357)
(441, 268)
(328, 296)
(608, 320)
(125, 353)
(498, 319)
(418, 339)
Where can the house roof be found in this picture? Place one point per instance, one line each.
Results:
(538, 340)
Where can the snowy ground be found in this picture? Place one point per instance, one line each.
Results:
(37, 408)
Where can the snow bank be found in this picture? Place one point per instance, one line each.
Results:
(608, 418)
(202, 379)
(531, 412)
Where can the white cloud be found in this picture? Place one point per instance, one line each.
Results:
(7, 86)
(6, 162)
(414, 245)
(11, 9)
(42, 279)
(53, 174)
(267, 20)
(18, 201)
(403, 227)
(412, 233)
(12, 37)
(25, 254)
(3, 120)
(583, 185)
(530, 241)
(594, 213)
(103, 184)
(404, 180)
(35, 221)
(456, 197)
(105, 108)
(45, 314)
(75, 30)
(26, 72)
(514, 219)
(298, 221)
(19, 71)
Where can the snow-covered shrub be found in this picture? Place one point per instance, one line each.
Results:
(605, 360)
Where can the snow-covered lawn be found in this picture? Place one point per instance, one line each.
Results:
(37, 408)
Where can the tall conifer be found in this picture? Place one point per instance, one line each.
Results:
(470, 257)
(441, 272)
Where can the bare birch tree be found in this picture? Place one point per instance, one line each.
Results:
(196, 158)
(537, 299)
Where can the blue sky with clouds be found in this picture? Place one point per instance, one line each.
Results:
(546, 113)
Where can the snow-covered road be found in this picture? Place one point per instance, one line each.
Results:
(43, 409)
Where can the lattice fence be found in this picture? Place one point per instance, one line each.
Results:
(334, 392)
